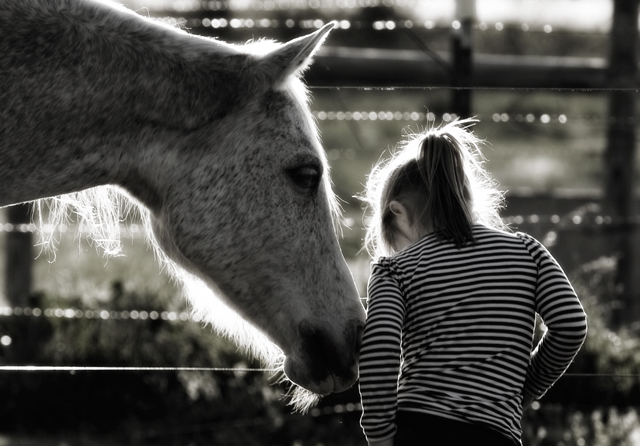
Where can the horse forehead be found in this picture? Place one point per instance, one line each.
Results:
(287, 113)
(275, 132)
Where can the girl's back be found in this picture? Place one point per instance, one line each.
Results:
(465, 321)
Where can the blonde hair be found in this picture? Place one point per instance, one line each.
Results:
(439, 178)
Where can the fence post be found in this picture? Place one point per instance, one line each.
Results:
(462, 57)
(19, 256)
(619, 158)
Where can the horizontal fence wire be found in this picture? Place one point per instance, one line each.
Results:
(104, 315)
(576, 89)
(374, 25)
(389, 115)
(519, 118)
(74, 313)
(269, 5)
(75, 369)
(287, 5)
(442, 21)
(587, 220)
(59, 368)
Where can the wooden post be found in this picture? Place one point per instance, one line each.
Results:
(619, 158)
(19, 256)
(462, 57)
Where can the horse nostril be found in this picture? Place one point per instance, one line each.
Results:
(318, 342)
(332, 354)
(308, 333)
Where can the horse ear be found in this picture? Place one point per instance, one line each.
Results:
(295, 55)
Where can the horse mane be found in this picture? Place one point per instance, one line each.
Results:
(99, 213)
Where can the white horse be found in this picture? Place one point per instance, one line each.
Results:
(216, 145)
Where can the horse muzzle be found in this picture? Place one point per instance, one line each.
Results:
(325, 362)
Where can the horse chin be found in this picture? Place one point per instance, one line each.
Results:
(320, 382)
(297, 374)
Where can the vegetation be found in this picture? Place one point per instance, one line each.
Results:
(592, 405)
(230, 407)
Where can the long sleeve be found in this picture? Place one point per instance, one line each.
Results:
(566, 321)
(380, 355)
(449, 332)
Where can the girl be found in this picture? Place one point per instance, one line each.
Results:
(446, 355)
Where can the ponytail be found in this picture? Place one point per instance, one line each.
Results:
(447, 205)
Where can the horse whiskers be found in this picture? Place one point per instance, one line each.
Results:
(300, 398)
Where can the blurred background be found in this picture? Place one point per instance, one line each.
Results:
(554, 86)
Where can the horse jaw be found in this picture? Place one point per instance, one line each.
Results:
(209, 307)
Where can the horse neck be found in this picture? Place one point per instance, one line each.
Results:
(90, 86)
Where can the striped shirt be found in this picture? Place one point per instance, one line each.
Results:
(449, 331)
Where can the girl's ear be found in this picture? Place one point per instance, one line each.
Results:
(295, 55)
(397, 208)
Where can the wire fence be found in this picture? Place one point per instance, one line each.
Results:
(551, 220)
(142, 315)
(175, 8)
(591, 220)
(382, 26)
(374, 25)
(73, 369)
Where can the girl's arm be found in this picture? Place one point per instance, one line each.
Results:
(527, 400)
(388, 442)
(380, 357)
(566, 322)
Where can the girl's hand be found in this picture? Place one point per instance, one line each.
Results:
(527, 400)
(388, 442)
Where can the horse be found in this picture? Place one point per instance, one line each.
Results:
(213, 143)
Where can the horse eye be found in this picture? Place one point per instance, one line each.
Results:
(306, 177)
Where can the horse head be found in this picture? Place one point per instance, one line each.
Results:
(245, 204)
(216, 142)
